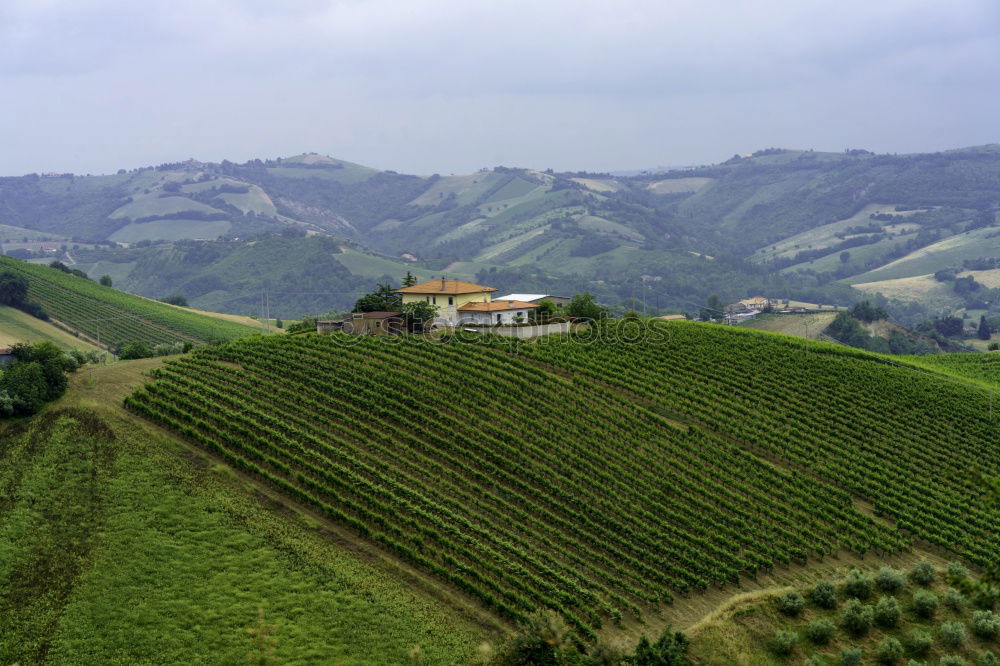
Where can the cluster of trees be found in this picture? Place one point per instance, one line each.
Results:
(846, 328)
(37, 375)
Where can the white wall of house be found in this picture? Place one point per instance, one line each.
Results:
(491, 318)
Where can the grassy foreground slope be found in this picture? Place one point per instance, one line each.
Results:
(118, 547)
(17, 326)
(595, 477)
(116, 316)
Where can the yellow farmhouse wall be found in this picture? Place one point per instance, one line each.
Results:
(449, 313)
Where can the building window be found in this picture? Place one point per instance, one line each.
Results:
(427, 299)
(451, 300)
(434, 299)
(498, 317)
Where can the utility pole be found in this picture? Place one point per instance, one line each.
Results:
(267, 307)
(262, 332)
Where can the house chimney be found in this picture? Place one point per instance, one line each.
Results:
(442, 283)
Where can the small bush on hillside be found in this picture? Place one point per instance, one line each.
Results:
(919, 642)
(987, 659)
(791, 604)
(957, 571)
(857, 617)
(821, 631)
(986, 597)
(850, 657)
(816, 660)
(889, 651)
(986, 625)
(925, 604)
(824, 595)
(889, 580)
(859, 585)
(887, 612)
(954, 600)
(952, 660)
(134, 350)
(784, 642)
(952, 634)
(923, 573)
(916, 662)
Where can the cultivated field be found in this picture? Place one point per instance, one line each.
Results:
(617, 476)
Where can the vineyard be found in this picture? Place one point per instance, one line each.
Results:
(115, 316)
(597, 478)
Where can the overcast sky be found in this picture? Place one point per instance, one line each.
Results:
(450, 86)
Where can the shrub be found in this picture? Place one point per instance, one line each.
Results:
(957, 571)
(817, 660)
(889, 651)
(986, 625)
(824, 595)
(887, 612)
(857, 617)
(952, 634)
(952, 660)
(135, 350)
(986, 597)
(850, 657)
(889, 580)
(923, 573)
(919, 642)
(859, 585)
(784, 642)
(954, 600)
(791, 604)
(987, 659)
(821, 631)
(916, 662)
(925, 604)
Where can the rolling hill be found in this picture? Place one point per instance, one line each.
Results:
(592, 475)
(778, 221)
(113, 317)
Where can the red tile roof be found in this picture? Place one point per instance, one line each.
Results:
(495, 306)
(445, 287)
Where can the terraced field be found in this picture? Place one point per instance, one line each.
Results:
(114, 316)
(601, 477)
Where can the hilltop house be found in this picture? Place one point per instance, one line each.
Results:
(448, 296)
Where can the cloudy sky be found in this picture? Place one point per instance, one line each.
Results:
(450, 86)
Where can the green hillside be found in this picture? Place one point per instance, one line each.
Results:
(17, 326)
(777, 222)
(115, 317)
(119, 547)
(602, 476)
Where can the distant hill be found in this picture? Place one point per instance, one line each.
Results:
(795, 224)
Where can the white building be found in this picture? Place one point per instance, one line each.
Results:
(499, 311)
(559, 301)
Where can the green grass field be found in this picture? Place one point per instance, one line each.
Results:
(17, 326)
(151, 205)
(122, 547)
(951, 251)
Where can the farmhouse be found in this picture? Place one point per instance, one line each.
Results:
(558, 301)
(448, 296)
(495, 312)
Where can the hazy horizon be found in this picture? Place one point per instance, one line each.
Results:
(450, 87)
